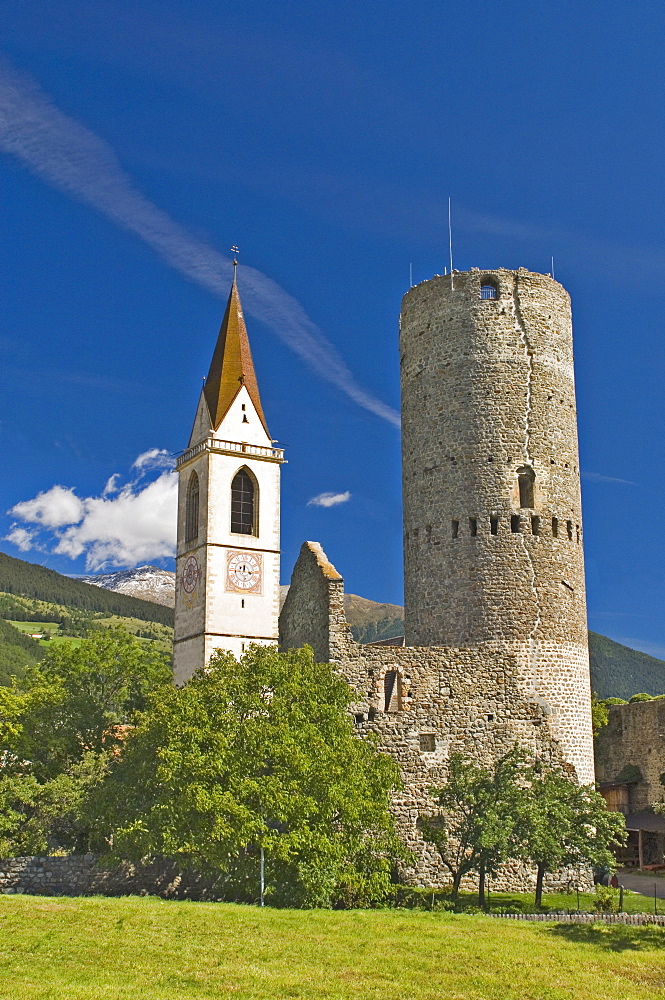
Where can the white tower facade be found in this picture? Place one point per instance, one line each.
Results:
(227, 564)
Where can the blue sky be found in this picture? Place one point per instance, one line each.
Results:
(141, 139)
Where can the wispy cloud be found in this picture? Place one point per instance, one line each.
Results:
(124, 526)
(154, 458)
(329, 499)
(74, 160)
(597, 477)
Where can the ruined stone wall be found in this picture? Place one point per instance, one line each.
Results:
(634, 735)
(421, 702)
(488, 398)
(314, 607)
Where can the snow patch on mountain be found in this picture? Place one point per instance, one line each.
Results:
(147, 582)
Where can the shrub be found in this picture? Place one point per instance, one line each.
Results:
(607, 899)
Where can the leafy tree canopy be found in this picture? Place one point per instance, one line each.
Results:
(57, 735)
(562, 823)
(519, 811)
(480, 809)
(256, 754)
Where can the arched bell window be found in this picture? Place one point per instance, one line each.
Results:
(244, 504)
(192, 509)
(488, 289)
(526, 477)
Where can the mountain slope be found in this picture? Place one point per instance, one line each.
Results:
(148, 583)
(620, 672)
(17, 651)
(28, 580)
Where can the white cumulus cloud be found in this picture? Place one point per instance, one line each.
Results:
(122, 527)
(329, 499)
(52, 509)
(22, 538)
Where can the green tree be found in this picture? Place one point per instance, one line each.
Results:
(256, 754)
(79, 698)
(56, 736)
(480, 809)
(38, 817)
(599, 713)
(562, 823)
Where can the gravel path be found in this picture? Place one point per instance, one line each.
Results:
(643, 883)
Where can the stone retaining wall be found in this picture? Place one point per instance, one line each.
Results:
(83, 875)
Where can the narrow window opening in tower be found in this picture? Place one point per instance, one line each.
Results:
(494, 525)
(192, 509)
(577, 533)
(455, 528)
(427, 742)
(391, 691)
(488, 290)
(555, 527)
(569, 527)
(242, 406)
(243, 504)
(535, 525)
(244, 418)
(526, 478)
(242, 602)
(515, 523)
(473, 526)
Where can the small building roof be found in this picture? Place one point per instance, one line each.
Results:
(645, 820)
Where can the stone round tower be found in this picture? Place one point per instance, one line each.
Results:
(492, 511)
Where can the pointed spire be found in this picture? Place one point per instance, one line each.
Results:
(231, 366)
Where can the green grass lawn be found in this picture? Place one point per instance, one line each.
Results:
(163, 641)
(107, 949)
(53, 629)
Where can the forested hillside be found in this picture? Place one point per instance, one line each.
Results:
(28, 580)
(17, 651)
(620, 672)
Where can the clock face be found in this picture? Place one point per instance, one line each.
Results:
(243, 572)
(191, 574)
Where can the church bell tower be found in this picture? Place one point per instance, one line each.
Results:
(227, 564)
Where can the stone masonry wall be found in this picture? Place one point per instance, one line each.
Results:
(488, 395)
(634, 734)
(314, 605)
(421, 702)
(83, 875)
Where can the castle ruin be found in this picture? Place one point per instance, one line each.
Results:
(495, 647)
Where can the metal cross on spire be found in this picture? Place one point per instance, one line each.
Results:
(235, 252)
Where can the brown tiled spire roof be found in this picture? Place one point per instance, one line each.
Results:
(231, 366)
